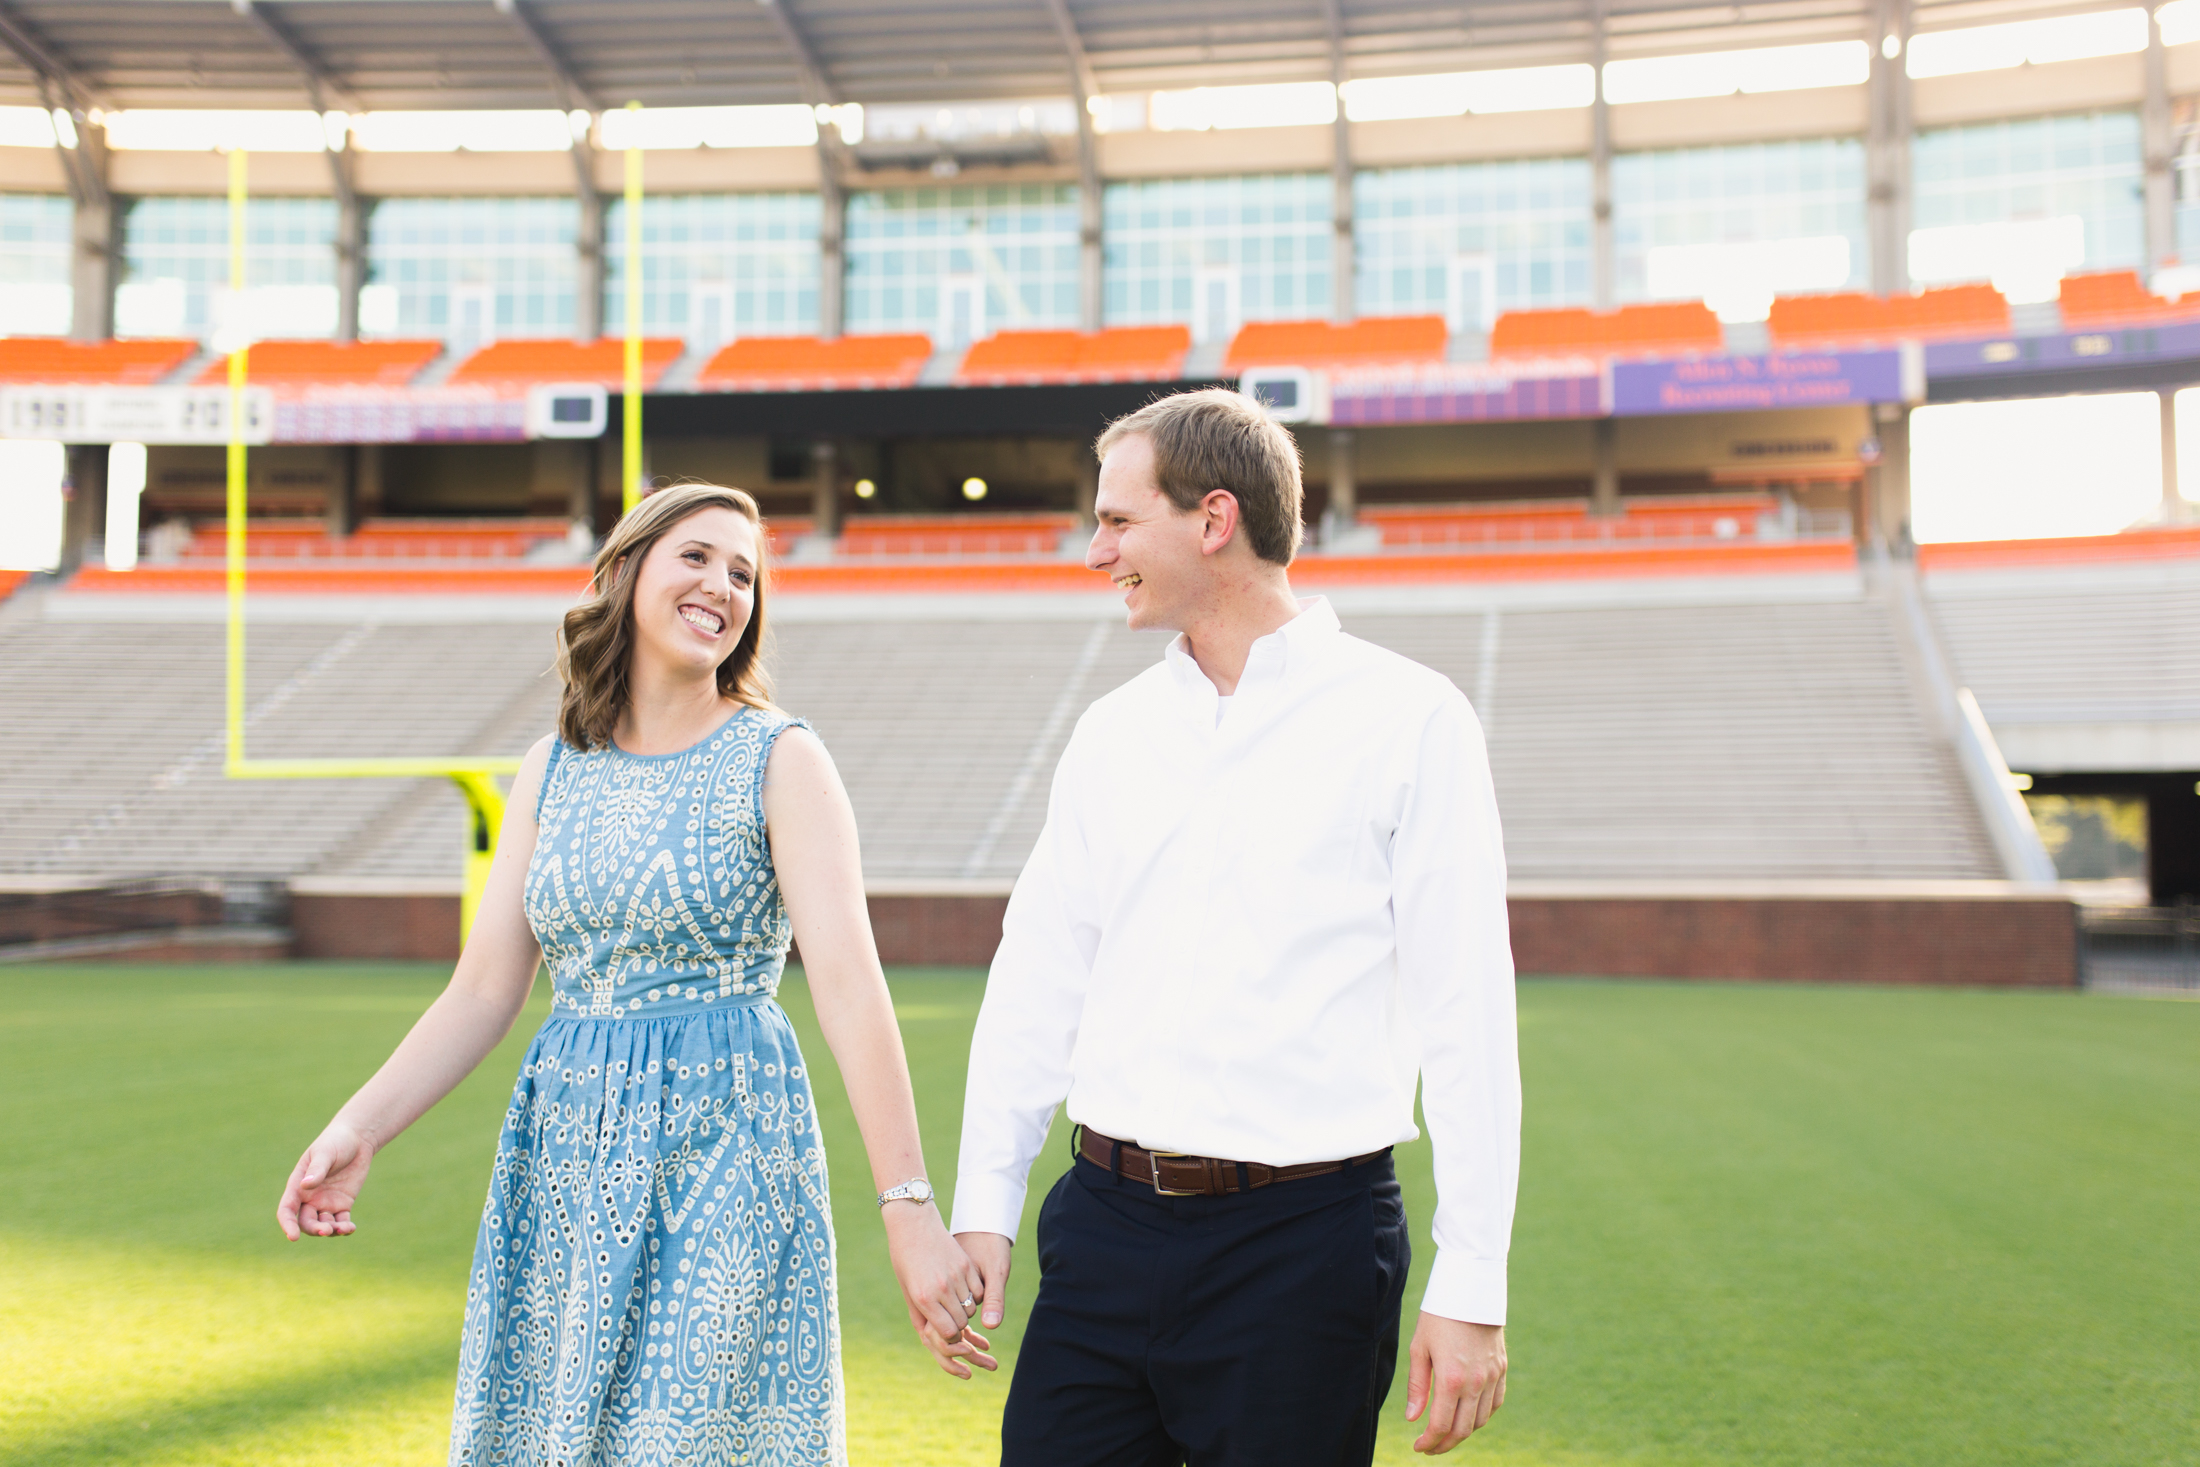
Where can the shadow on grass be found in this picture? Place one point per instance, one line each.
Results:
(187, 1427)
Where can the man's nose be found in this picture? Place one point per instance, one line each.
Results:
(1098, 554)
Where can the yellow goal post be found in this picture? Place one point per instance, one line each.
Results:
(473, 774)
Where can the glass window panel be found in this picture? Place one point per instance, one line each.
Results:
(175, 261)
(1742, 193)
(2023, 169)
(716, 266)
(469, 269)
(1529, 216)
(1272, 230)
(1013, 247)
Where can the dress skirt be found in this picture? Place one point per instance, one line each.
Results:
(653, 1280)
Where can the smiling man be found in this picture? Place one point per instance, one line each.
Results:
(1270, 893)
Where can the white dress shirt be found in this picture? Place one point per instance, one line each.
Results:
(1245, 938)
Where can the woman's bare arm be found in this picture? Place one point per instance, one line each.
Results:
(815, 852)
(489, 987)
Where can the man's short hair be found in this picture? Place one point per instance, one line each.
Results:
(1218, 439)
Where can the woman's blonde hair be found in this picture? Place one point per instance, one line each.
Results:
(596, 639)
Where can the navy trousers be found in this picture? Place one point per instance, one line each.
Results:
(1215, 1331)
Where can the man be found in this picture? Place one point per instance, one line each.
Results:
(1269, 891)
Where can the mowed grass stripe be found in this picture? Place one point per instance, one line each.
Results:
(1757, 1225)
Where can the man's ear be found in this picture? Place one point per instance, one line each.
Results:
(1221, 511)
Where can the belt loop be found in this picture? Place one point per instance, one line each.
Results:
(1076, 1139)
(1245, 1178)
(1115, 1161)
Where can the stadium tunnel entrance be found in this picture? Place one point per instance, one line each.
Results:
(2103, 825)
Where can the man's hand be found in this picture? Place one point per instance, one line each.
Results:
(1457, 1376)
(990, 1252)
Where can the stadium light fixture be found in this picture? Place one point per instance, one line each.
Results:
(544, 130)
(2034, 42)
(1723, 73)
(780, 126)
(2180, 22)
(865, 489)
(26, 127)
(1272, 104)
(973, 489)
(1451, 94)
(191, 130)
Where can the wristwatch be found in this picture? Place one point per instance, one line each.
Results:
(916, 1189)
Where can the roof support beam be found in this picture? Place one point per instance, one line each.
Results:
(1887, 148)
(329, 94)
(1084, 88)
(84, 165)
(573, 95)
(1343, 268)
(832, 225)
(1601, 267)
(2157, 145)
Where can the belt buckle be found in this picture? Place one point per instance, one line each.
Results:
(1153, 1162)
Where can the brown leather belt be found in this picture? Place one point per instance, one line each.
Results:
(1173, 1174)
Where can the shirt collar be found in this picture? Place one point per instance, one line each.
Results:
(1271, 656)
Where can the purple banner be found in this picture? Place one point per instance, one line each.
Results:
(1751, 384)
(1466, 393)
(1996, 356)
(400, 415)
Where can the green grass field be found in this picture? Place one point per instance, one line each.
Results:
(1757, 1225)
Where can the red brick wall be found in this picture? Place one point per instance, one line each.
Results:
(389, 928)
(2013, 942)
(2010, 942)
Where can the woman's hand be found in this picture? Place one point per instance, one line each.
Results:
(936, 1278)
(324, 1184)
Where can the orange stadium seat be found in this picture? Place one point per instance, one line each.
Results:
(2118, 298)
(310, 363)
(811, 363)
(1118, 354)
(113, 363)
(1662, 329)
(1568, 521)
(953, 534)
(1371, 341)
(1855, 318)
(523, 363)
(381, 539)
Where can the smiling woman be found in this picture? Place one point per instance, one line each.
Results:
(659, 856)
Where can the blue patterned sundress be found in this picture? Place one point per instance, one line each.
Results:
(653, 1282)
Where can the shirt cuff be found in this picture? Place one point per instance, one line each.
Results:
(988, 1203)
(1471, 1290)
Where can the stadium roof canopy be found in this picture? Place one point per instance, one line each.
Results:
(451, 54)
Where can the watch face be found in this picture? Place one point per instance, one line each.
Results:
(920, 1190)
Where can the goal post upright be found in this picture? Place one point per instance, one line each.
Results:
(472, 774)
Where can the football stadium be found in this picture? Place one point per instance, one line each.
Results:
(1780, 420)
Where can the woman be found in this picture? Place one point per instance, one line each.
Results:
(654, 1277)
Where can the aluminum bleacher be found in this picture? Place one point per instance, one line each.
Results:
(1637, 731)
(2079, 661)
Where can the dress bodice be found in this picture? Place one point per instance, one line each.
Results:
(651, 889)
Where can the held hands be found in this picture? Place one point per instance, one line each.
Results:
(1457, 1377)
(936, 1277)
(324, 1184)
